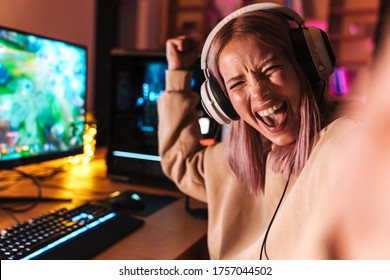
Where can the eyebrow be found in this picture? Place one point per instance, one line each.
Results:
(239, 77)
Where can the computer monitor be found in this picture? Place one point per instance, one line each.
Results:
(42, 98)
(137, 80)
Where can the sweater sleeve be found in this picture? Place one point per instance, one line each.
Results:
(179, 135)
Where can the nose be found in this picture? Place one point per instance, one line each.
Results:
(259, 89)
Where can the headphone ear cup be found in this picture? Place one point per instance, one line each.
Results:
(311, 42)
(216, 103)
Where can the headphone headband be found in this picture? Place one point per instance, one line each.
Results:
(289, 13)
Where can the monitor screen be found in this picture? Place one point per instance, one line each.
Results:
(42, 98)
(137, 81)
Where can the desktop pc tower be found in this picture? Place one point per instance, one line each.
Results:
(137, 78)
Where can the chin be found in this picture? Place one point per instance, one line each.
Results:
(283, 141)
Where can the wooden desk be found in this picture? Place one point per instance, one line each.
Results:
(170, 233)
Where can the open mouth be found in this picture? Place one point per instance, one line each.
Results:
(273, 116)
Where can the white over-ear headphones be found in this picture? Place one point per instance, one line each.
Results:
(312, 48)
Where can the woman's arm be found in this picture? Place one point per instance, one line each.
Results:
(178, 131)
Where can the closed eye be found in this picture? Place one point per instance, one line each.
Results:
(235, 85)
(272, 69)
(235, 82)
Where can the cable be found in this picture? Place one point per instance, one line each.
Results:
(7, 213)
(34, 203)
(48, 172)
(264, 244)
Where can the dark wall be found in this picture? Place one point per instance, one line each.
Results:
(116, 27)
(106, 38)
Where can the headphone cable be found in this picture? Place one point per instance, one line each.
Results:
(264, 244)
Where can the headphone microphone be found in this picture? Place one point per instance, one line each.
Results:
(312, 48)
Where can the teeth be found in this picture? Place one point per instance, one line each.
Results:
(270, 110)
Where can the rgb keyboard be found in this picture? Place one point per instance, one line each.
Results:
(64, 234)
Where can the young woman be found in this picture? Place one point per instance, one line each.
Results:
(261, 183)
